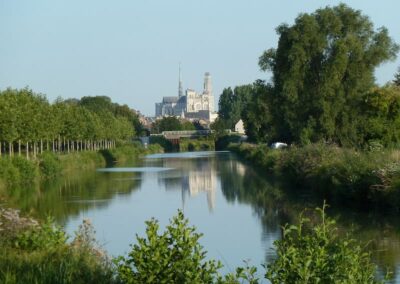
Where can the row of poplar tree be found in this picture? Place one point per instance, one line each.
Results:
(29, 124)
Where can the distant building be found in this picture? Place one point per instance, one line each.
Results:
(239, 127)
(191, 105)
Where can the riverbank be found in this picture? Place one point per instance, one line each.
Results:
(346, 177)
(19, 172)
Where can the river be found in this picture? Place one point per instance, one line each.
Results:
(239, 210)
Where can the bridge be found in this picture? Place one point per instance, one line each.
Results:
(186, 134)
(174, 136)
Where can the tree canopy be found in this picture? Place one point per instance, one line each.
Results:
(323, 65)
(28, 118)
(172, 123)
(323, 86)
(232, 103)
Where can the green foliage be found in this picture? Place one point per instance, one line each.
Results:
(34, 252)
(380, 116)
(26, 117)
(322, 85)
(17, 172)
(257, 116)
(345, 176)
(220, 128)
(45, 236)
(174, 256)
(324, 63)
(27, 169)
(311, 253)
(232, 103)
(223, 141)
(171, 123)
(49, 165)
(163, 143)
(9, 174)
(198, 144)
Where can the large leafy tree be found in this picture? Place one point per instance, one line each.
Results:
(322, 66)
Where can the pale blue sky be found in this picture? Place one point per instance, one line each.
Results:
(130, 50)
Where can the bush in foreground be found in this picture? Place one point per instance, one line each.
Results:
(34, 252)
(174, 256)
(317, 255)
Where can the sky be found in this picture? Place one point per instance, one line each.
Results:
(130, 50)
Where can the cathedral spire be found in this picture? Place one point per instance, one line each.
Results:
(180, 89)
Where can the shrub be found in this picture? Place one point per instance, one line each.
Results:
(9, 174)
(45, 236)
(34, 252)
(174, 256)
(49, 165)
(27, 170)
(317, 255)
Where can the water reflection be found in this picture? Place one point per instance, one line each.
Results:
(240, 210)
(69, 195)
(190, 177)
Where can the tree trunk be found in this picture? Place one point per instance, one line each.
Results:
(9, 148)
(41, 146)
(19, 148)
(27, 150)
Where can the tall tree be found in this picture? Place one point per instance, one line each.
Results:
(322, 66)
(232, 103)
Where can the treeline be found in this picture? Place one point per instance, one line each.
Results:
(29, 124)
(322, 87)
(173, 123)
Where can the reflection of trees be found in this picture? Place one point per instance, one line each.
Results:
(69, 195)
(276, 204)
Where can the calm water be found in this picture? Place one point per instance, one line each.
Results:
(239, 210)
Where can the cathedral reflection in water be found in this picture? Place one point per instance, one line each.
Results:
(192, 179)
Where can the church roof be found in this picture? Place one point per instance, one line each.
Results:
(170, 100)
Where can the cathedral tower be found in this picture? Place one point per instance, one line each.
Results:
(207, 84)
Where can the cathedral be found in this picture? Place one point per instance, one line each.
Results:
(191, 105)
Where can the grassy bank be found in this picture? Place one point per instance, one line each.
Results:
(343, 176)
(18, 172)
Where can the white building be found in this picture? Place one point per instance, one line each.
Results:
(239, 127)
(192, 105)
